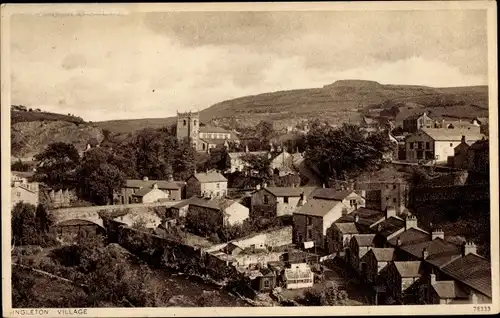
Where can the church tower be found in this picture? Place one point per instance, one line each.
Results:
(188, 127)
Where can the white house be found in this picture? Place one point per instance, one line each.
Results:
(150, 195)
(437, 144)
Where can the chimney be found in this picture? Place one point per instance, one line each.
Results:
(170, 177)
(264, 185)
(425, 253)
(257, 187)
(323, 185)
(155, 186)
(463, 139)
(390, 212)
(432, 278)
(437, 233)
(145, 178)
(246, 148)
(410, 222)
(356, 218)
(380, 228)
(398, 242)
(469, 248)
(206, 171)
(303, 198)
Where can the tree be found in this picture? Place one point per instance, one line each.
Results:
(57, 165)
(20, 166)
(260, 163)
(329, 295)
(99, 176)
(184, 161)
(23, 224)
(264, 130)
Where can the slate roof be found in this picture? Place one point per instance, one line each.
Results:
(348, 228)
(183, 203)
(411, 237)
(212, 129)
(215, 204)
(383, 254)
(445, 134)
(142, 192)
(162, 184)
(289, 191)
(448, 289)
(364, 239)
(440, 252)
(210, 176)
(480, 144)
(367, 217)
(390, 226)
(473, 271)
(408, 268)
(331, 194)
(317, 207)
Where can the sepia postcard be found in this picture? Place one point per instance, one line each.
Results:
(249, 159)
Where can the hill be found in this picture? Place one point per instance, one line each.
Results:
(30, 138)
(18, 115)
(342, 101)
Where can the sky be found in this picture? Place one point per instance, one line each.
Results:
(148, 65)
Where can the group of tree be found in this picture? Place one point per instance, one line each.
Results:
(340, 152)
(101, 171)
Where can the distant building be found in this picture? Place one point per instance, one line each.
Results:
(209, 183)
(202, 138)
(220, 211)
(375, 261)
(416, 122)
(436, 144)
(278, 201)
(401, 275)
(23, 190)
(311, 221)
(145, 190)
(382, 194)
(478, 156)
(359, 245)
(237, 162)
(284, 163)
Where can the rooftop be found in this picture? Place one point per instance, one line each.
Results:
(162, 184)
(411, 237)
(408, 269)
(210, 176)
(383, 254)
(215, 203)
(216, 141)
(289, 191)
(142, 192)
(317, 207)
(440, 252)
(364, 240)
(213, 129)
(390, 226)
(448, 289)
(473, 271)
(366, 216)
(349, 228)
(331, 194)
(455, 134)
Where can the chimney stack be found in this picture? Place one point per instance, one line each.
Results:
(303, 198)
(145, 178)
(323, 185)
(257, 187)
(410, 222)
(356, 218)
(437, 233)
(390, 212)
(469, 248)
(170, 177)
(432, 278)
(398, 242)
(463, 139)
(425, 253)
(264, 185)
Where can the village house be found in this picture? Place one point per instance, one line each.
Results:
(418, 121)
(359, 245)
(460, 155)
(369, 124)
(298, 275)
(437, 144)
(472, 274)
(391, 226)
(401, 275)
(312, 220)
(143, 217)
(284, 163)
(23, 190)
(345, 228)
(478, 157)
(237, 162)
(146, 191)
(374, 262)
(220, 212)
(278, 201)
(381, 194)
(458, 124)
(209, 183)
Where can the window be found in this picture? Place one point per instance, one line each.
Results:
(411, 145)
(451, 144)
(266, 283)
(352, 202)
(427, 145)
(309, 234)
(394, 200)
(266, 199)
(309, 220)
(218, 185)
(394, 187)
(194, 122)
(185, 122)
(285, 199)
(18, 194)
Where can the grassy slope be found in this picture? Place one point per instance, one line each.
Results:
(341, 101)
(20, 116)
